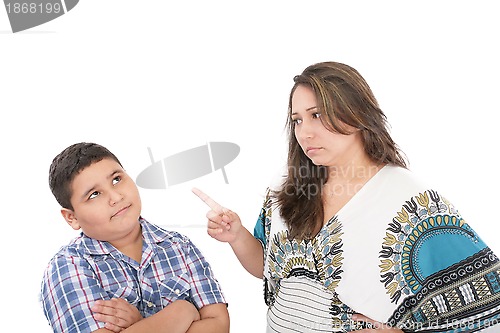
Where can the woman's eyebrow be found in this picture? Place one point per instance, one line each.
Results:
(307, 110)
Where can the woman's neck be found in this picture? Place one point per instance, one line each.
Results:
(358, 169)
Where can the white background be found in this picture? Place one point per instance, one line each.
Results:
(173, 75)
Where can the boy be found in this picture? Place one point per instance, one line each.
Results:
(122, 273)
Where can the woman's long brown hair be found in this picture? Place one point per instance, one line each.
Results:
(343, 97)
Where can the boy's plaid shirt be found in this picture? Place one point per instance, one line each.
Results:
(87, 270)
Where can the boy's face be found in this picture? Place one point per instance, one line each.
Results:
(106, 203)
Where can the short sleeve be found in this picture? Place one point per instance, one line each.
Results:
(263, 225)
(205, 289)
(69, 289)
(259, 229)
(437, 269)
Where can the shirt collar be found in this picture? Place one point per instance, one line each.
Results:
(151, 234)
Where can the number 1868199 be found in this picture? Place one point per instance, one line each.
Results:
(33, 8)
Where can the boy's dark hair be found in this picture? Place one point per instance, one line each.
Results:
(69, 163)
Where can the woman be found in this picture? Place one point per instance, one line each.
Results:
(351, 240)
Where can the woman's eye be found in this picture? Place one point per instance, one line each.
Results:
(296, 121)
(316, 115)
(116, 180)
(93, 195)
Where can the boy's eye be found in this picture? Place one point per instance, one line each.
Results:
(93, 195)
(116, 180)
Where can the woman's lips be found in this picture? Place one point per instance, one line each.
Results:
(312, 150)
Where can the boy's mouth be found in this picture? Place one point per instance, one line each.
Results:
(121, 211)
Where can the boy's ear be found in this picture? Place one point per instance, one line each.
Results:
(70, 217)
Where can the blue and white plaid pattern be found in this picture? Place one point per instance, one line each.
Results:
(87, 270)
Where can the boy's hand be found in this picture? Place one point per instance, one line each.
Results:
(376, 327)
(117, 313)
(223, 224)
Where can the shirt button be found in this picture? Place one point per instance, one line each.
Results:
(177, 291)
(150, 305)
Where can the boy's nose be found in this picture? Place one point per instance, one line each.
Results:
(115, 197)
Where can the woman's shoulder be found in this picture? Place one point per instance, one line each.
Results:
(402, 177)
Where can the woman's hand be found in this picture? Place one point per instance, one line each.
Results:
(376, 327)
(117, 313)
(223, 224)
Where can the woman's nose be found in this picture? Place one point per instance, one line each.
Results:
(304, 131)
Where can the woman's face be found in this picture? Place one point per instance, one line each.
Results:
(321, 145)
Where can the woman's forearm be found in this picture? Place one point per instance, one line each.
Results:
(249, 252)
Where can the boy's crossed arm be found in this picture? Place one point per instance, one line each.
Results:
(63, 283)
(181, 316)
